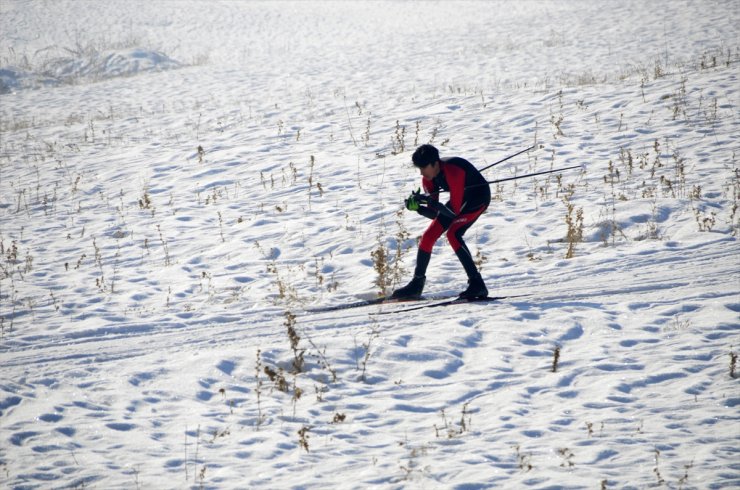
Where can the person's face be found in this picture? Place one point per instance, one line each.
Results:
(430, 171)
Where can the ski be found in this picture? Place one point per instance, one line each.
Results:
(444, 302)
(376, 301)
(424, 302)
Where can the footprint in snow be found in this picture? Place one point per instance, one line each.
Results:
(450, 368)
(403, 340)
(19, 438)
(533, 433)
(468, 342)
(9, 402)
(573, 333)
(67, 431)
(634, 342)
(121, 427)
(650, 380)
(227, 367)
(50, 417)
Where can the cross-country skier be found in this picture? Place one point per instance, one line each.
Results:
(469, 197)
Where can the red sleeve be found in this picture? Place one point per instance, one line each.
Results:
(455, 177)
(429, 188)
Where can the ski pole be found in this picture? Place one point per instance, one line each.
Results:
(489, 182)
(507, 158)
(442, 209)
(524, 176)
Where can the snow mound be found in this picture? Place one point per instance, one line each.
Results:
(110, 64)
(86, 66)
(13, 79)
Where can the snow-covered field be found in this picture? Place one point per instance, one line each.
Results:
(182, 182)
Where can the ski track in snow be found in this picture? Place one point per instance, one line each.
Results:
(146, 284)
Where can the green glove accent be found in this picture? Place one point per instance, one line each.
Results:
(412, 204)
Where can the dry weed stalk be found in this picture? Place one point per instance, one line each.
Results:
(323, 360)
(524, 461)
(398, 140)
(380, 264)
(258, 389)
(361, 366)
(574, 222)
(449, 429)
(303, 437)
(277, 378)
(298, 353)
(656, 470)
(390, 272)
(555, 359)
(567, 456)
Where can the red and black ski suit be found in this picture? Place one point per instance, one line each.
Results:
(470, 195)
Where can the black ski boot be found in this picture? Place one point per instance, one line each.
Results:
(476, 289)
(412, 290)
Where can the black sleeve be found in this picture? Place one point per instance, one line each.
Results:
(441, 209)
(427, 212)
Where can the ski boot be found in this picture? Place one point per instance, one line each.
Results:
(476, 289)
(412, 290)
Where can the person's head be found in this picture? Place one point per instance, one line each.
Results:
(426, 159)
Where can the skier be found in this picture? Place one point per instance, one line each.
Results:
(469, 197)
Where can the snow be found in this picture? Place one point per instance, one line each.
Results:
(182, 182)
